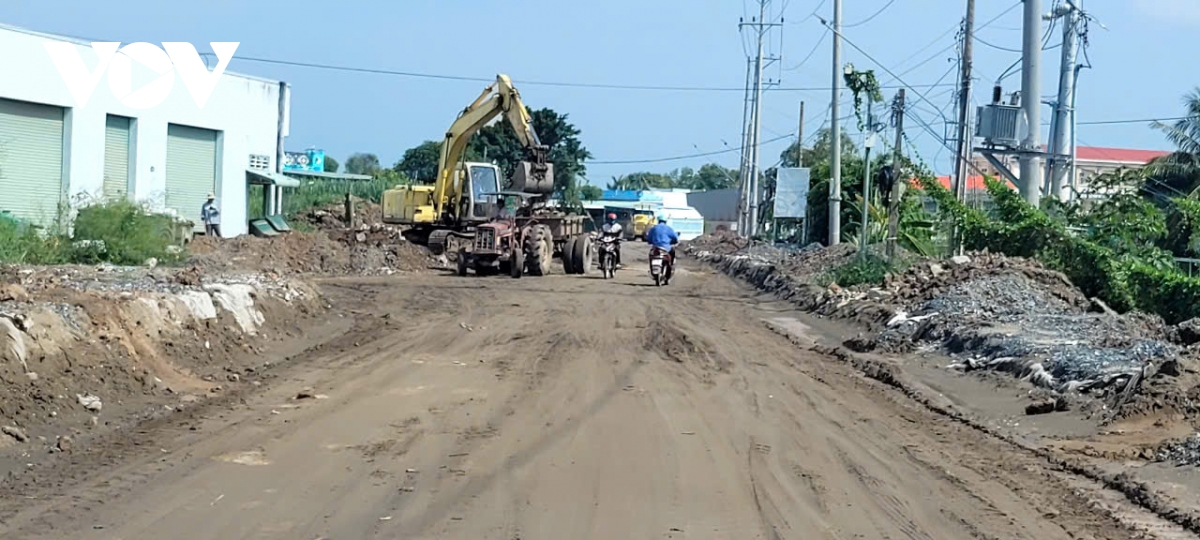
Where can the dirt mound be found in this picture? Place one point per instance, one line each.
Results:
(722, 242)
(333, 216)
(373, 249)
(675, 343)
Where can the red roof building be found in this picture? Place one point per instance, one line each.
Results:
(1091, 161)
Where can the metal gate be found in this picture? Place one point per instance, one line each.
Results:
(191, 170)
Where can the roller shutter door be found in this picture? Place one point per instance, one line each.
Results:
(191, 170)
(31, 160)
(116, 157)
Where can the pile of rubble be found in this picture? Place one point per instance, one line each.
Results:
(986, 310)
(994, 312)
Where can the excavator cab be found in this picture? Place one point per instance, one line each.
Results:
(483, 181)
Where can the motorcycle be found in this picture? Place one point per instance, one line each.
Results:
(660, 266)
(607, 248)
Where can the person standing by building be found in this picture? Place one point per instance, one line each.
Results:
(211, 216)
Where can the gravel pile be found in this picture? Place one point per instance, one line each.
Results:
(1022, 319)
(1185, 452)
(989, 311)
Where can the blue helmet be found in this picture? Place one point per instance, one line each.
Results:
(662, 219)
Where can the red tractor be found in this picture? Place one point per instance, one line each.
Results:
(525, 239)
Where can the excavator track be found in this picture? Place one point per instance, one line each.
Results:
(447, 240)
(438, 240)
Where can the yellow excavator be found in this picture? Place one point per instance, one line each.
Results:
(465, 194)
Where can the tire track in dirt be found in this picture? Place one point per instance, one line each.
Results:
(579, 408)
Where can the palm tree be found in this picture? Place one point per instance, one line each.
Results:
(1182, 167)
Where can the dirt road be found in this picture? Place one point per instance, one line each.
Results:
(561, 407)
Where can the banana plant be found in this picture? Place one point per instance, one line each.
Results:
(915, 233)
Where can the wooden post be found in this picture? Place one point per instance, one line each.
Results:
(898, 180)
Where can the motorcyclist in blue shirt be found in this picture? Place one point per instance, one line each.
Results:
(662, 236)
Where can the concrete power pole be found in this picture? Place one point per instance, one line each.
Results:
(761, 27)
(898, 179)
(800, 139)
(1031, 92)
(835, 132)
(756, 119)
(961, 170)
(1060, 149)
(743, 169)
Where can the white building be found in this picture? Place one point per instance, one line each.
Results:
(170, 156)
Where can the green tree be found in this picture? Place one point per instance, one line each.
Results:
(421, 162)
(360, 163)
(714, 176)
(497, 143)
(590, 192)
(331, 165)
(640, 181)
(1181, 169)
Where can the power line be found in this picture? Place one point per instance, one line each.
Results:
(997, 47)
(810, 53)
(820, 5)
(948, 47)
(1136, 121)
(688, 156)
(560, 84)
(872, 17)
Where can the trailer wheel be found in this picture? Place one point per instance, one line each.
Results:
(568, 260)
(581, 254)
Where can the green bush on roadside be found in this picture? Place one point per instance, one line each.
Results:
(1122, 268)
(869, 270)
(117, 232)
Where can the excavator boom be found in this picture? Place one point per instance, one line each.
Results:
(498, 98)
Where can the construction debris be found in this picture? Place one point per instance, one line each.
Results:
(990, 311)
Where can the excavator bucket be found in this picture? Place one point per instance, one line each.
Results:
(534, 178)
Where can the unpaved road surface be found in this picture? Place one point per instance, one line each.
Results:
(554, 408)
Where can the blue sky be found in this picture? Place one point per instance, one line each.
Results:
(1143, 64)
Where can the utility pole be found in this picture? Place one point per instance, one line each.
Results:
(864, 236)
(898, 180)
(961, 172)
(800, 139)
(1059, 141)
(1031, 91)
(743, 169)
(835, 160)
(761, 27)
(755, 117)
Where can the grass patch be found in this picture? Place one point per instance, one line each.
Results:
(117, 232)
(869, 270)
(319, 192)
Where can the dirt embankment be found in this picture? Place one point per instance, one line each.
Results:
(87, 349)
(92, 349)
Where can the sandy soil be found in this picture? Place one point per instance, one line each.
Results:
(564, 407)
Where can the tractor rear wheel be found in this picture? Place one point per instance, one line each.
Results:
(462, 262)
(539, 249)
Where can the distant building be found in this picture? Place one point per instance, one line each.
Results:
(719, 208)
(1090, 162)
(170, 156)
